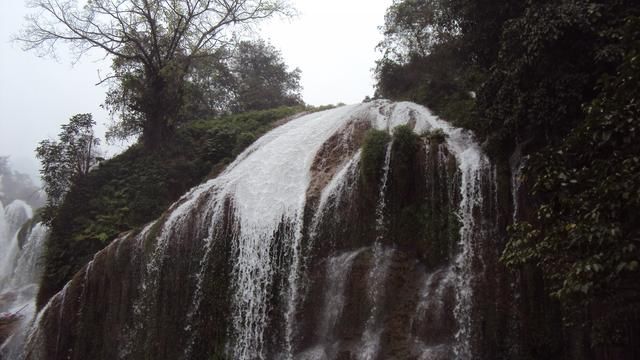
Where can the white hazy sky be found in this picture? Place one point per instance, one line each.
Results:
(331, 41)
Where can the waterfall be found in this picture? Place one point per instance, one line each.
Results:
(11, 219)
(337, 272)
(15, 214)
(381, 260)
(269, 187)
(334, 190)
(432, 294)
(21, 249)
(285, 256)
(516, 182)
(470, 163)
(382, 194)
(4, 227)
(28, 264)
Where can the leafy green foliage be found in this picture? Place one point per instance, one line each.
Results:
(405, 144)
(436, 136)
(67, 160)
(546, 71)
(247, 76)
(586, 236)
(373, 153)
(262, 78)
(422, 60)
(558, 80)
(411, 29)
(135, 187)
(434, 80)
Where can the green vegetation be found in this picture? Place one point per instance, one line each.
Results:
(435, 219)
(559, 80)
(424, 218)
(585, 236)
(248, 76)
(137, 186)
(423, 61)
(373, 154)
(436, 136)
(67, 160)
(405, 141)
(262, 80)
(403, 152)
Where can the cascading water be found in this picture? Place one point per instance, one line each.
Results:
(471, 193)
(337, 272)
(380, 263)
(21, 247)
(13, 217)
(289, 254)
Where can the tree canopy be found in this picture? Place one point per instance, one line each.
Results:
(153, 44)
(263, 80)
(67, 159)
(249, 76)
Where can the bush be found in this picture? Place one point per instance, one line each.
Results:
(373, 154)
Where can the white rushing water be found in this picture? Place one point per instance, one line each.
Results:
(339, 185)
(338, 269)
(381, 260)
(11, 220)
(517, 171)
(268, 187)
(20, 270)
(471, 164)
(431, 300)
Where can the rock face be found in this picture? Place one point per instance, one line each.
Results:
(295, 253)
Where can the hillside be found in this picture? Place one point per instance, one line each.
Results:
(135, 187)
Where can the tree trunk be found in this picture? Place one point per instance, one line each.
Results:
(163, 102)
(155, 133)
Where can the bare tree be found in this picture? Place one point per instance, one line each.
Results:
(152, 42)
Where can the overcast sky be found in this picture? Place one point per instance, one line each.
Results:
(331, 41)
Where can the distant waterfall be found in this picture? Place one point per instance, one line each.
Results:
(12, 218)
(21, 250)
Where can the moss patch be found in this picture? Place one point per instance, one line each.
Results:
(373, 153)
